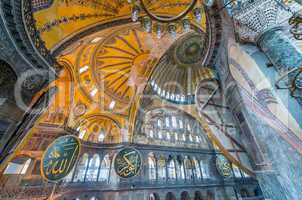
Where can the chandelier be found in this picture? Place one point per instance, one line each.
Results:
(159, 24)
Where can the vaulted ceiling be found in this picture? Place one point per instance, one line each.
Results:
(58, 20)
(106, 60)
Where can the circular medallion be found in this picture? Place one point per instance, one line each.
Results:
(127, 163)
(59, 158)
(190, 49)
(80, 110)
(223, 166)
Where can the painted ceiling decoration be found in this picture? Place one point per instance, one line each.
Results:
(100, 75)
(160, 22)
(59, 20)
(182, 68)
(123, 62)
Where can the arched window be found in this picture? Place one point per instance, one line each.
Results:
(151, 133)
(160, 135)
(197, 139)
(69, 177)
(81, 169)
(152, 168)
(162, 168)
(174, 122)
(101, 136)
(181, 170)
(181, 124)
(197, 196)
(209, 195)
(185, 196)
(189, 126)
(204, 170)
(168, 135)
(153, 196)
(190, 137)
(93, 169)
(237, 172)
(170, 196)
(171, 170)
(244, 193)
(105, 169)
(196, 169)
(159, 123)
(167, 122)
(82, 134)
(189, 169)
(18, 166)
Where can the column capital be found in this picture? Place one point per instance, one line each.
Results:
(252, 19)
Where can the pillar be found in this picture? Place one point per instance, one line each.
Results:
(280, 49)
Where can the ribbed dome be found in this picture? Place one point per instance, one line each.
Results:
(181, 68)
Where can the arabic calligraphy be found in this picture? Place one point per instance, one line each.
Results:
(59, 158)
(223, 166)
(127, 163)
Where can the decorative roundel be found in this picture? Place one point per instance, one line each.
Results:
(190, 49)
(127, 163)
(60, 158)
(80, 110)
(223, 166)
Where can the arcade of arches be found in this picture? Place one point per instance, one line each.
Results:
(210, 102)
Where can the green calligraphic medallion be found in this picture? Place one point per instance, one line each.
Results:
(223, 166)
(127, 163)
(59, 158)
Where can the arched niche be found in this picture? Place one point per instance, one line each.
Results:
(170, 196)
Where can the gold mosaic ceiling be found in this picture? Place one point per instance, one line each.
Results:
(60, 19)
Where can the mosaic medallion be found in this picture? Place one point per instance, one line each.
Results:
(59, 158)
(223, 166)
(190, 49)
(80, 110)
(127, 163)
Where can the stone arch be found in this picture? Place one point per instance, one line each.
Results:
(197, 195)
(210, 196)
(170, 196)
(91, 127)
(185, 196)
(153, 196)
(244, 193)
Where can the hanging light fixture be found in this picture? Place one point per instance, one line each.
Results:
(152, 22)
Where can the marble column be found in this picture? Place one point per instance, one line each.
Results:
(257, 22)
(280, 49)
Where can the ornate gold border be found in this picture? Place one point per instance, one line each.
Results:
(141, 165)
(41, 164)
